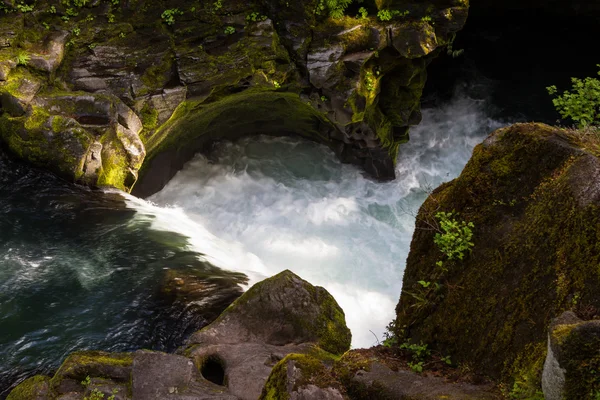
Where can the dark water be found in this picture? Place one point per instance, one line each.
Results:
(78, 270)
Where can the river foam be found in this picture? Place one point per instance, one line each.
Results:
(264, 204)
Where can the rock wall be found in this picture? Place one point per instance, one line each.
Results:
(532, 193)
(106, 92)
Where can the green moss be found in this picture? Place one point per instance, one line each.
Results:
(330, 327)
(527, 258)
(30, 388)
(194, 124)
(115, 164)
(96, 364)
(149, 117)
(581, 359)
(315, 370)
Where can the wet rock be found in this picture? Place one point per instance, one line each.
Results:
(573, 354)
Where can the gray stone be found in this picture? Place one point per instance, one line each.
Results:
(52, 53)
(158, 375)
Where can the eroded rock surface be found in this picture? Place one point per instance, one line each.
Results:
(354, 83)
(227, 360)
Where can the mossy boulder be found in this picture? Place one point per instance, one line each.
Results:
(303, 377)
(284, 309)
(34, 388)
(532, 193)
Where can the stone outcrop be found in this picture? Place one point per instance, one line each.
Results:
(570, 369)
(169, 82)
(363, 375)
(532, 194)
(227, 360)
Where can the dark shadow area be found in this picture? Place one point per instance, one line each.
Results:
(512, 57)
(212, 370)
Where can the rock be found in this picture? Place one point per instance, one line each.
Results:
(259, 329)
(363, 374)
(573, 355)
(414, 40)
(303, 377)
(262, 315)
(360, 104)
(527, 192)
(52, 53)
(34, 388)
(229, 359)
(157, 375)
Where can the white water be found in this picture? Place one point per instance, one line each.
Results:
(269, 204)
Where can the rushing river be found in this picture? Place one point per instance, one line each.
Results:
(81, 269)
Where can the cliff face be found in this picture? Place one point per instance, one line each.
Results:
(106, 92)
(532, 195)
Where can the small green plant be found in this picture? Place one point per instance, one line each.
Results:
(24, 8)
(362, 13)
(46, 26)
(217, 5)
(23, 57)
(76, 31)
(336, 8)
(581, 104)
(111, 18)
(168, 16)
(424, 284)
(387, 15)
(95, 394)
(416, 366)
(426, 18)
(324, 99)
(86, 382)
(122, 35)
(276, 84)
(446, 360)
(52, 10)
(454, 238)
(230, 30)
(255, 17)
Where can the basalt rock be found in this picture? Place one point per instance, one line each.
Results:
(532, 193)
(227, 360)
(216, 70)
(570, 369)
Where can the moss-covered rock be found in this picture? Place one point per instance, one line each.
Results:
(303, 377)
(571, 369)
(34, 388)
(284, 309)
(359, 79)
(533, 197)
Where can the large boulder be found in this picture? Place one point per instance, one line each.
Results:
(276, 317)
(532, 193)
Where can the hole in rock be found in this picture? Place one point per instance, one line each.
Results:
(212, 370)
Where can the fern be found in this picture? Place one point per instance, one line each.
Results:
(337, 8)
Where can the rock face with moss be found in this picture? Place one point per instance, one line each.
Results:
(227, 360)
(573, 359)
(363, 374)
(281, 315)
(532, 193)
(108, 93)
